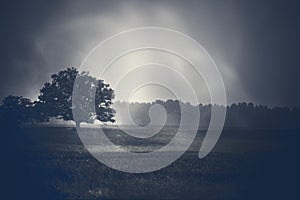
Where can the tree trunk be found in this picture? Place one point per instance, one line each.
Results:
(77, 125)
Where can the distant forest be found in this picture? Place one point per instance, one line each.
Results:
(245, 115)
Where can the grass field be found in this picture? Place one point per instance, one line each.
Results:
(245, 164)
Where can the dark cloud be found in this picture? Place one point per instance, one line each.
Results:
(255, 44)
(21, 65)
(270, 64)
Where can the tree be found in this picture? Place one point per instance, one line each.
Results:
(55, 99)
(17, 109)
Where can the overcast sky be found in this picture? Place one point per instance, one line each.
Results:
(255, 44)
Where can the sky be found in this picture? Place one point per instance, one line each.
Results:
(255, 44)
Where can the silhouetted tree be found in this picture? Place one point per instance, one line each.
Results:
(55, 99)
(16, 109)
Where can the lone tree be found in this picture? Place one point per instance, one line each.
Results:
(55, 99)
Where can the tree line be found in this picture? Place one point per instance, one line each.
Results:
(240, 115)
(55, 101)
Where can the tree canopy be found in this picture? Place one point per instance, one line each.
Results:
(16, 108)
(55, 99)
